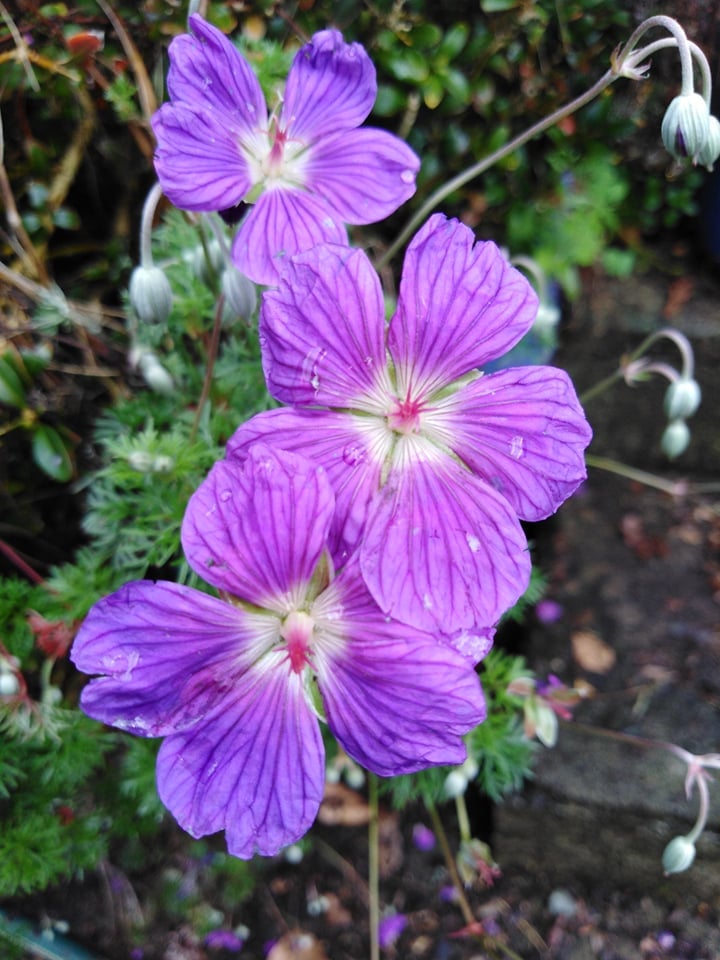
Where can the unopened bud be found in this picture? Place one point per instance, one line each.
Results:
(685, 126)
(678, 855)
(682, 399)
(207, 261)
(675, 439)
(153, 372)
(455, 784)
(9, 685)
(710, 150)
(150, 294)
(240, 295)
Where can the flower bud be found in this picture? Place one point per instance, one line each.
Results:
(685, 126)
(9, 684)
(240, 295)
(153, 372)
(206, 262)
(675, 439)
(455, 784)
(150, 294)
(678, 855)
(682, 399)
(710, 150)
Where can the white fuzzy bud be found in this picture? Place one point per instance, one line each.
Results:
(150, 294)
(9, 684)
(710, 150)
(678, 855)
(685, 126)
(455, 784)
(675, 439)
(240, 295)
(682, 399)
(153, 372)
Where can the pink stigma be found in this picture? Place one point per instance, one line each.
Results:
(405, 418)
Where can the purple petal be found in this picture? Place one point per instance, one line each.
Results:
(164, 651)
(206, 70)
(395, 698)
(282, 223)
(254, 766)
(441, 549)
(323, 332)
(351, 455)
(365, 174)
(256, 530)
(523, 431)
(460, 305)
(198, 158)
(331, 86)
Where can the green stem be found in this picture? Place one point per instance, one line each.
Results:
(374, 866)
(210, 366)
(676, 488)
(450, 863)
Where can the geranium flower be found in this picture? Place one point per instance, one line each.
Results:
(306, 168)
(235, 683)
(431, 461)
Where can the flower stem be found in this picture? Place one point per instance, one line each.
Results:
(374, 866)
(210, 366)
(676, 488)
(439, 829)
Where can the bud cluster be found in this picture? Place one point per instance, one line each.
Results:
(682, 399)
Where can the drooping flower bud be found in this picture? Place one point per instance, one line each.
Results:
(710, 150)
(678, 855)
(153, 372)
(240, 295)
(675, 439)
(685, 126)
(150, 294)
(206, 262)
(682, 399)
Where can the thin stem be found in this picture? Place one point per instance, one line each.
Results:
(683, 45)
(450, 863)
(374, 866)
(476, 169)
(463, 819)
(148, 214)
(210, 366)
(676, 488)
(703, 809)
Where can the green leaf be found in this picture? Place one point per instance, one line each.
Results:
(51, 454)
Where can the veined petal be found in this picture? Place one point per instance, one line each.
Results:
(323, 332)
(351, 449)
(166, 653)
(254, 766)
(523, 431)
(283, 222)
(256, 529)
(441, 549)
(198, 158)
(395, 698)
(331, 86)
(207, 71)
(460, 305)
(365, 174)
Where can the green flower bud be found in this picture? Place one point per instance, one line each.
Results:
(685, 126)
(675, 439)
(240, 295)
(150, 294)
(710, 150)
(682, 399)
(678, 855)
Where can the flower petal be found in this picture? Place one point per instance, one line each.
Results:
(331, 86)
(365, 174)
(207, 71)
(198, 158)
(323, 331)
(396, 699)
(523, 431)
(282, 223)
(460, 305)
(254, 766)
(163, 650)
(256, 530)
(442, 550)
(344, 445)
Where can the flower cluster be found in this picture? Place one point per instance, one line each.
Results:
(365, 539)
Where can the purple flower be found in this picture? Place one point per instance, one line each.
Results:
(390, 929)
(307, 168)
(432, 462)
(235, 683)
(223, 939)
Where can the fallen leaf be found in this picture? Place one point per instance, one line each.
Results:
(591, 652)
(297, 945)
